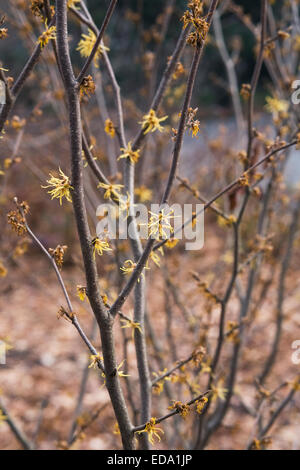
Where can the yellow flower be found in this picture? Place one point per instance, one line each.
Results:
(129, 267)
(72, 4)
(120, 372)
(3, 270)
(116, 430)
(3, 33)
(87, 86)
(276, 106)
(95, 358)
(58, 254)
(125, 205)
(81, 292)
(152, 430)
(61, 187)
(46, 36)
(226, 222)
(155, 258)
(7, 163)
(99, 246)
(179, 70)
(261, 444)
(182, 409)
(158, 387)
(2, 417)
(195, 128)
(218, 391)
(200, 34)
(127, 152)
(127, 323)
(159, 224)
(283, 34)
(296, 45)
(151, 122)
(110, 128)
(7, 343)
(298, 141)
(86, 44)
(111, 190)
(245, 91)
(232, 333)
(200, 404)
(244, 180)
(37, 8)
(63, 313)
(17, 123)
(205, 367)
(193, 17)
(295, 384)
(17, 222)
(143, 193)
(172, 242)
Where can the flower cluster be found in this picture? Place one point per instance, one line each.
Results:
(58, 254)
(192, 123)
(194, 17)
(87, 86)
(200, 405)
(232, 333)
(110, 128)
(181, 408)
(37, 7)
(158, 385)
(16, 219)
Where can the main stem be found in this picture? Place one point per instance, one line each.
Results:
(104, 320)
